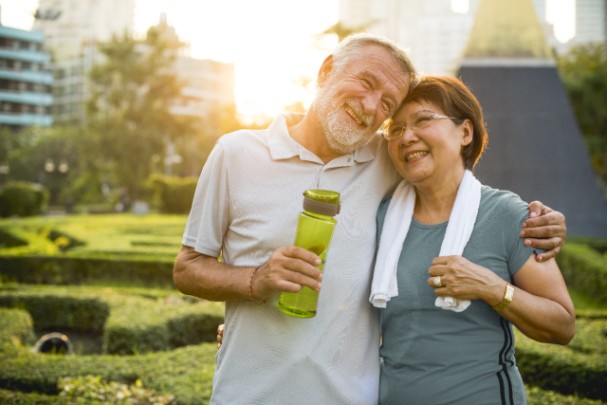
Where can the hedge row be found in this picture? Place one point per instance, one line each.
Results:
(128, 324)
(22, 199)
(578, 368)
(560, 371)
(584, 269)
(78, 271)
(185, 373)
(15, 324)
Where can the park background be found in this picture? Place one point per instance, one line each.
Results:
(94, 196)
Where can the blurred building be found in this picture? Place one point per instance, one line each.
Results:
(209, 88)
(72, 29)
(25, 79)
(434, 32)
(208, 84)
(590, 21)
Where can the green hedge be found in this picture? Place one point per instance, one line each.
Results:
(186, 373)
(129, 324)
(77, 271)
(584, 269)
(183, 373)
(146, 317)
(578, 368)
(174, 194)
(22, 199)
(86, 314)
(15, 327)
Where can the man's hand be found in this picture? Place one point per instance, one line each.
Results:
(219, 335)
(288, 269)
(544, 229)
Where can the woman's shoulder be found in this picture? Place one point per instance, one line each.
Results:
(503, 203)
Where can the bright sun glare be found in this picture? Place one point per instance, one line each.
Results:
(271, 43)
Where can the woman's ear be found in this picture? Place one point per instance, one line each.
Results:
(325, 70)
(467, 132)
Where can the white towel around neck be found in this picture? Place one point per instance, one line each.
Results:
(395, 228)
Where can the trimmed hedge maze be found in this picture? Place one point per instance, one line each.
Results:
(155, 339)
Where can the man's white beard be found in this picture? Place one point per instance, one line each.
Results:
(342, 134)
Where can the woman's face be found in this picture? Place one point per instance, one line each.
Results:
(428, 150)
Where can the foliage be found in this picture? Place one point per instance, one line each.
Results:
(127, 323)
(183, 373)
(130, 106)
(584, 269)
(22, 199)
(174, 194)
(92, 390)
(15, 327)
(584, 72)
(578, 368)
(114, 236)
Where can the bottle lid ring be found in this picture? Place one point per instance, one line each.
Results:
(320, 207)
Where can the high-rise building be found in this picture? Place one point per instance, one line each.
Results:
(72, 29)
(68, 24)
(25, 79)
(590, 21)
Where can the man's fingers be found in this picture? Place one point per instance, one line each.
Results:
(296, 252)
(220, 335)
(535, 209)
(543, 232)
(551, 254)
(544, 244)
(552, 218)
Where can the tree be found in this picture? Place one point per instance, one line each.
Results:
(132, 92)
(584, 73)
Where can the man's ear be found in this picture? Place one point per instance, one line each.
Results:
(325, 70)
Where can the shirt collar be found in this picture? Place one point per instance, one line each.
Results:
(282, 146)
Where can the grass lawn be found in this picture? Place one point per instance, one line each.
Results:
(94, 235)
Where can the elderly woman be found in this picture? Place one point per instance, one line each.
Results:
(452, 274)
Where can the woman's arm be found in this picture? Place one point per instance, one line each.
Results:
(541, 307)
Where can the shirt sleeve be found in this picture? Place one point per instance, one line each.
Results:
(209, 216)
(516, 212)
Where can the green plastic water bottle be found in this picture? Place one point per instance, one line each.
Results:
(314, 230)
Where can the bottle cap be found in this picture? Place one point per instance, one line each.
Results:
(323, 202)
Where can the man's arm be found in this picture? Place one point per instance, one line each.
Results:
(288, 269)
(544, 229)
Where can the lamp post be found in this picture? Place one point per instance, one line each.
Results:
(56, 172)
(4, 171)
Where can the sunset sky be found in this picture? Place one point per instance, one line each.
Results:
(268, 52)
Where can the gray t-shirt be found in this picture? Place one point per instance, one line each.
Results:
(435, 356)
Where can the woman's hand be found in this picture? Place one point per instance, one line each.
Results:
(464, 280)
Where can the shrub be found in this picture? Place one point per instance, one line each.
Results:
(584, 269)
(578, 368)
(76, 271)
(86, 314)
(174, 194)
(92, 390)
(22, 199)
(15, 327)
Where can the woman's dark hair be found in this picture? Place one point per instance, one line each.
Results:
(456, 100)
